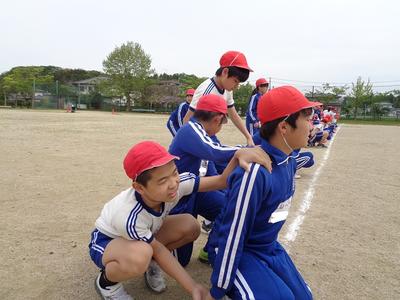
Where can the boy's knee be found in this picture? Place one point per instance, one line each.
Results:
(191, 230)
(138, 259)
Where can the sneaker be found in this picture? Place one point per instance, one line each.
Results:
(114, 292)
(297, 176)
(154, 278)
(207, 226)
(203, 256)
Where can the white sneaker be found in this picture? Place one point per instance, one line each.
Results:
(297, 176)
(154, 278)
(114, 292)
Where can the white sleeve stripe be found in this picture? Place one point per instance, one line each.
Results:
(232, 228)
(186, 174)
(238, 220)
(251, 107)
(204, 138)
(248, 293)
(241, 290)
(179, 115)
(95, 234)
(97, 248)
(132, 216)
(209, 88)
(171, 126)
(132, 222)
(186, 179)
(241, 221)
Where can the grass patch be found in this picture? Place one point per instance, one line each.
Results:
(391, 122)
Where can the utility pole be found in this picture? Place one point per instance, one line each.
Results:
(312, 93)
(58, 99)
(270, 84)
(79, 96)
(34, 91)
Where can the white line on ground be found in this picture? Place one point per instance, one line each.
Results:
(294, 227)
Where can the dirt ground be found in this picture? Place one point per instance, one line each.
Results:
(58, 169)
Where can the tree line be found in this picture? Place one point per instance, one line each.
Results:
(127, 74)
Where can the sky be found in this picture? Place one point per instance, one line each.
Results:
(302, 43)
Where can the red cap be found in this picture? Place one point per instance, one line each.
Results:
(260, 82)
(234, 59)
(212, 102)
(145, 156)
(282, 102)
(190, 92)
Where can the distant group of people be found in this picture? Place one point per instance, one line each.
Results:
(245, 192)
(323, 126)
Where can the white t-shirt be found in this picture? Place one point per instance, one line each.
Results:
(127, 216)
(210, 87)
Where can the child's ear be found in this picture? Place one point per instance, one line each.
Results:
(138, 187)
(283, 126)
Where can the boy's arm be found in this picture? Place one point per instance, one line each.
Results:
(240, 125)
(237, 225)
(242, 157)
(197, 142)
(253, 108)
(188, 115)
(182, 110)
(173, 268)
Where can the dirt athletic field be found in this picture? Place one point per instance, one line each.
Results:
(57, 170)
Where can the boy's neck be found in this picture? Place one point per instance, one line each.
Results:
(278, 142)
(218, 82)
(205, 126)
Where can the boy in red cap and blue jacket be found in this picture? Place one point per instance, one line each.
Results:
(175, 120)
(252, 121)
(134, 234)
(248, 261)
(193, 144)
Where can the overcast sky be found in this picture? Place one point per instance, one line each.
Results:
(313, 41)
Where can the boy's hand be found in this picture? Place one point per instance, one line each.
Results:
(250, 141)
(199, 292)
(245, 156)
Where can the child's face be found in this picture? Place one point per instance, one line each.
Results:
(163, 184)
(298, 137)
(229, 83)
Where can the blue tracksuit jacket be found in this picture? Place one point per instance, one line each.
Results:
(175, 121)
(247, 229)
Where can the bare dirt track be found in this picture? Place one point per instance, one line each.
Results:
(58, 169)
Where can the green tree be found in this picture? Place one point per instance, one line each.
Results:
(24, 81)
(360, 95)
(190, 82)
(327, 93)
(128, 68)
(242, 96)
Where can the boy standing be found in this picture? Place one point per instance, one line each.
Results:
(175, 120)
(252, 121)
(232, 71)
(248, 261)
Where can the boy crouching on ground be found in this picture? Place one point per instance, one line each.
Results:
(134, 227)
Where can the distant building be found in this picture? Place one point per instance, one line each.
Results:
(87, 86)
